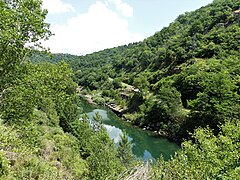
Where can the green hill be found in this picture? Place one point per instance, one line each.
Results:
(184, 77)
(187, 74)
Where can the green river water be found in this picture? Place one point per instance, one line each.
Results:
(146, 145)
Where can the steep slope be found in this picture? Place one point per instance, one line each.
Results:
(42, 136)
(187, 73)
(185, 76)
(41, 133)
(182, 77)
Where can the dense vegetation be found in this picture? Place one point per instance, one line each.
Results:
(184, 77)
(41, 134)
(209, 157)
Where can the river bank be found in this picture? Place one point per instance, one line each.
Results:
(146, 145)
(120, 112)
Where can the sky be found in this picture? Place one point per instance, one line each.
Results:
(85, 26)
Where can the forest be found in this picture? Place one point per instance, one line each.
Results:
(183, 82)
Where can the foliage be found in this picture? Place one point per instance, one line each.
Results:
(97, 148)
(3, 165)
(182, 77)
(20, 31)
(39, 106)
(210, 90)
(194, 61)
(36, 89)
(208, 157)
(124, 150)
(37, 151)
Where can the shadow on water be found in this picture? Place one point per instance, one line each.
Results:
(146, 145)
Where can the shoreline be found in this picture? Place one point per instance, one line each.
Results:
(158, 133)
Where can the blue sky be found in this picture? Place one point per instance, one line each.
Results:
(85, 26)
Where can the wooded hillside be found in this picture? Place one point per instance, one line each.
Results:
(184, 76)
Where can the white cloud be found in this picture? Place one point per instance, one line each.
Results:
(125, 8)
(57, 6)
(98, 29)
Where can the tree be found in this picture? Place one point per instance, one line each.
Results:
(141, 82)
(98, 150)
(124, 150)
(210, 89)
(117, 83)
(97, 122)
(21, 29)
(46, 87)
(208, 157)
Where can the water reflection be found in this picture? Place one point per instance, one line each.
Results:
(147, 155)
(145, 145)
(114, 133)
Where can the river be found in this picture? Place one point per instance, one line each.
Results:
(146, 145)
